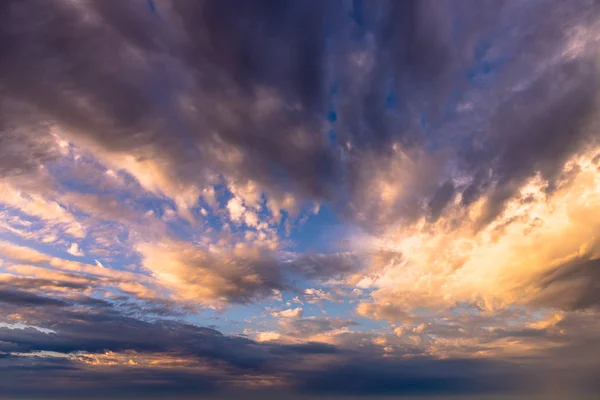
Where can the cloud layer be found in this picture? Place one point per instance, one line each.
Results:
(340, 197)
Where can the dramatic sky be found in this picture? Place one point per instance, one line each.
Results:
(299, 197)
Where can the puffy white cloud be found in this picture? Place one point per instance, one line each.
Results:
(290, 313)
(74, 250)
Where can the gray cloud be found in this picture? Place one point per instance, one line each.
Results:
(80, 382)
(25, 299)
(440, 199)
(538, 139)
(24, 139)
(306, 327)
(196, 79)
(574, 286)
(212, 361)
(327, 266)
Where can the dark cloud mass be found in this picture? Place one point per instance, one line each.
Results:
(190, 125)
(102, 332)
(197, 79)
(24, 299)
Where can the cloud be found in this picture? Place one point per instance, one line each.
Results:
(93, 344)
(22, 253)
(316, 296)
(36, 205)
(68, 280)
(25, 141)
(148, 103)
(290, 313)
(74, 250)
(24, 299)
(312, 326)
(75, 333)
(235, 208)
(184, 145)
(28, 255)
(171, 126)
(28, 277)
(572, 286)
(295, 329)
(183, 99)
(327, 266)
(213, 277)
(513, 261)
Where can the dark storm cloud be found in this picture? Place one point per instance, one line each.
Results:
(77, 63)
(404, 57)
(279, 47)
(186, 81)
(87, 77)
(277, 44)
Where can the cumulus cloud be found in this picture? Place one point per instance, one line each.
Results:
(213, 276)
(74, 250)
(290, 313)
(529, 253)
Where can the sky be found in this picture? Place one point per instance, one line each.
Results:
(299, 199)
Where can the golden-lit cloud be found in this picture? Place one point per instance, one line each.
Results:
(449, 263)
(36, 205)
(212, 276)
